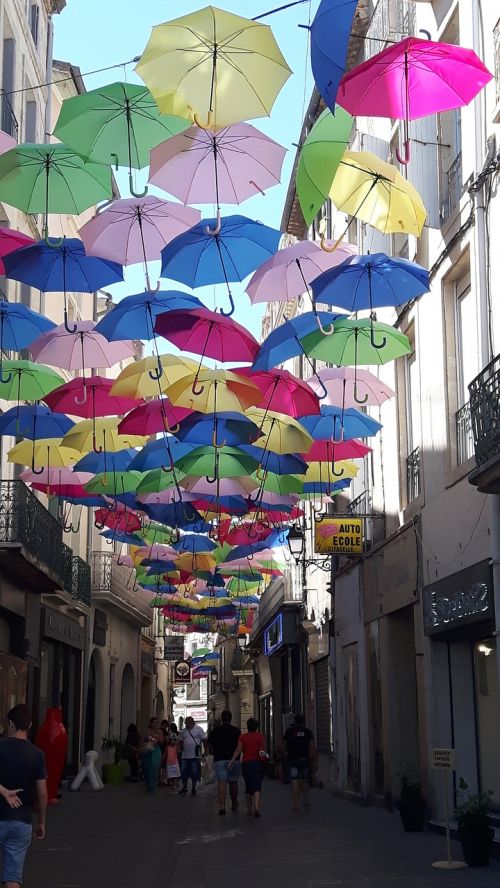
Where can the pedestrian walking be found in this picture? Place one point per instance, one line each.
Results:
(171, 763)
(192, 741)
(132, 744)
(23, 788)
(164, 737)
(300, 752)
(151, 755)
(252, 748)
(222, 742)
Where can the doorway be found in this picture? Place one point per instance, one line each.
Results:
(127, 701)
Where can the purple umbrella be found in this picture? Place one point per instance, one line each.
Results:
(288, 273)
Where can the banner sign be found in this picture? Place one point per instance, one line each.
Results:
(338, 536)
(173, 648)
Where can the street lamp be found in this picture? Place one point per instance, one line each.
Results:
(296, 543)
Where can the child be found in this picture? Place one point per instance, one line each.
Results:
(172, 763)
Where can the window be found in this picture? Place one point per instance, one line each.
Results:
(468, 363)
(9, 121)
(450, 161)
(30, 121)
(413, 421)
(34, 20)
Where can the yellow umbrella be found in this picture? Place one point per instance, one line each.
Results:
(377, 193)
(190, 561)
(100, 434)
(139, 379)
(47, 452)
(280, 433)
(215, 64)
(321, 472)
(210, 391)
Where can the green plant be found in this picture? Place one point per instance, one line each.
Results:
(116, 745)
(473, 808)
(410, 785)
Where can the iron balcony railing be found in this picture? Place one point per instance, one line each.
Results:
(361, 505)
(10, 123)
(464, 436)
(116, 582)
(413, 475)
(81, 582)
(451, 188)
(484, 393)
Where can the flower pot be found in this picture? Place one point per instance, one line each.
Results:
(476, 844)
(412, 812)
(52, 739)
(112, 774)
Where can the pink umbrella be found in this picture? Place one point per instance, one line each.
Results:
(166, 497)
(350, 387)
(208, 334)
(282, 392)
(153, 417)
(227, 166)
(412, 79)
(56, 477)
(288, 273)
(10, 239)
(6, 142)
(330, 451)
(157, 551)
(223, 487)
(75, 350)
(136, 229)
(89, 398)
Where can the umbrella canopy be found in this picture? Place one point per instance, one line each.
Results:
(280, 464)
(282, 391)
(329, 450)
(153, 417)
(279, 432)
(112, 483)
(209, 391)
(328, 56)
(224, 166)
(232, 428)
(353, 343)
(371, 282)
(115, 124)
(163, 452)
(350, 387)
(134, 317)
(284, 341)
(208, 334)
(214, 65)
(339, 424)
(48, 452)
(157, 480)
(20, 326)
(375, 192)
(10, 239)
(319, 160)
(141, 379)
(324, 473)
(91, 434)
(34, 421)
(136, 229)
(217, 462)
(89, 397)
(25, 381)
(106, 461)
(227, 487)
(79, 348)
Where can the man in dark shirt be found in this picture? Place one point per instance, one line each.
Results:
(300, 752)
(223, 741)
(23, 787)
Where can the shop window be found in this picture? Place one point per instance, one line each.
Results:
(488, 716)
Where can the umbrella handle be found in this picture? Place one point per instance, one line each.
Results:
(84, 399)
(210, 480)
(319, 513)
(404, 159)
(426, 33)
(218, 226)
(214, 441)
(132, 190)
(172, 430)
(227, 314)
(53, 242)
(95, 448)
(261, 473)
(35, 470)
(326, 331)
(169, 468)
(158, 372)
(69, 329)
(377, 344)
(326, 247)
(355, 393)
(116, 163)
(195, 390)
(337, 474)
(4, 379)
(206, 126)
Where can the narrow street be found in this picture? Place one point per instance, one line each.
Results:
(123, 838)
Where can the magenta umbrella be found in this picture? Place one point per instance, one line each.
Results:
(412, 79)
(208, 334)
(10, 239)
(227, 166)
(153, 417)
(350, 387)
(89, 398)
(78, 349)
(282, 391)
(136, 229)
(56, 477)
(288, 273)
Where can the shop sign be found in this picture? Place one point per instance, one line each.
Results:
(273, 635)
(182, 671)
(173, 648)
(462, 599)
(443, 759)
(62, 628)
(198, 714)
(338, 536)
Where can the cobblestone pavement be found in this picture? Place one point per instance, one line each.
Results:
(125, 838)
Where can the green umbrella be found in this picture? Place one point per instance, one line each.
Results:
(26, 381)
(118, 123)
(114, 482)
(52, 179)
(157, 533)
(353, 342)
(319, 158)
(157, 480)
(281, 484)
(220, 462)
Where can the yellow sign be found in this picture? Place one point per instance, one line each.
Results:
(338, 536)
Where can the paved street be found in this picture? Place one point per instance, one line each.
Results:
(123, 838)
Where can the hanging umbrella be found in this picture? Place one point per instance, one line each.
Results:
(273, 483)
(112, 483)
(227, 166)
(66, 476)
(370, 282)
(11, 239)
(115, 124)
(279, 432)
(116, 461)
(213, 65)
(208, 334)
(330, 36)
(288, 274)
(217, 462)
(59, 267)
(324, 473)
(25, 381)
(319, 160)
(375, 192)
(121, 519)
(328, 450)
(219, 251)
(282, 391)
(156, 480)
(134, 317)
(155, 454)
(285, 341)
(350, 387)
(92, 434)
(88, 397)
(166, 497)
(19, 327)
(52, 178)
(227, 487)
(209, 391)
(50, 453)
(412, 79)
(352, 343)
(141, 379)
(136, 229)
(195, 542)
(208, 428)
(34, 421)
(79, 348)
(339, 424)
(280, 464)
(153, 417)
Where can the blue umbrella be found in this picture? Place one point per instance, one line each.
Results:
(284, 342)
(106, 461)
(230, 504)
(219, 251)
(158, 565)
(330, 33)
(90, 501)
(132, 539)
(280, 464)
(204, 428)
(34, 421)
(134, 317)
(54, 267)
(337, 424)
(163, 452)
(195, 542)
(324, 487)
(371, 282)
(19, 327)
(173, 515)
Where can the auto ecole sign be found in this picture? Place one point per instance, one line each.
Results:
(338, 536)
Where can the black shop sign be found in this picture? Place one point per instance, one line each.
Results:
(460, 600)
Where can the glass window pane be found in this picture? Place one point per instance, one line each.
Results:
(468, 362)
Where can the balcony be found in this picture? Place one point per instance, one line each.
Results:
(413, 475)
(113, 585)
(282, 591)
(484, 393)
(31, 546)
(451, 188)
(464, 436)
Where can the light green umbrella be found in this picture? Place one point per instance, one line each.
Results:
(118, 123)
(281, 484)
(26, 381)
(52, 178)
(220, 462)
(319, 158)
(109, 483)
(353, 343)
(158, 480)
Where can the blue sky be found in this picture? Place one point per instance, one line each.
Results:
(96, 33)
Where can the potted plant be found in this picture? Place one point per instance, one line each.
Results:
(412, 805)
(474, 830)
(112, 772)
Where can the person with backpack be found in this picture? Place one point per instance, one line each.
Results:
(300, 752)
(192, 742)
(222, 742)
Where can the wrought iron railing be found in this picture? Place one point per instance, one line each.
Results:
(361, 505)
(451, 187)
(117, 580)
(484, 393)
(81, 581)
(10, 123)
(465, 438)
(413, 475)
